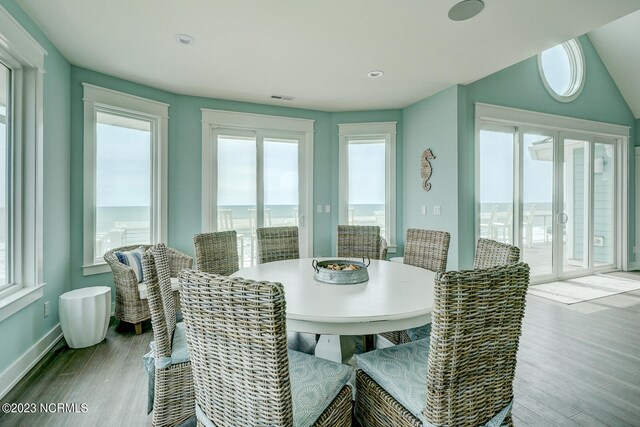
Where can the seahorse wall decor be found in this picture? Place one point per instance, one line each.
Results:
(425, 168)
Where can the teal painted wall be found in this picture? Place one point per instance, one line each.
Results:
(185, 162)
(432, 123)
(22, 330)
(520, 86)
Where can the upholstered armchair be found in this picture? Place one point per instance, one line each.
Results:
(131, 294)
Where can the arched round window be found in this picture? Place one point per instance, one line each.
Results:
(562, 70)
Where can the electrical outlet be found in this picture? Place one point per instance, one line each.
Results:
(424, 210)
(436, 210)
(319, 208)
(327, 208)
(635, 249)
(46, 308)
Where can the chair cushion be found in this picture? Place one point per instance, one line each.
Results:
(142, 288)
(134, 260)
(402, 371)
(315, 382)
(179, 354)
(420, 332)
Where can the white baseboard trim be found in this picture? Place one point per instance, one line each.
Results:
(18, 369)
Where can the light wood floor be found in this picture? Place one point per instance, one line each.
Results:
(578, 365)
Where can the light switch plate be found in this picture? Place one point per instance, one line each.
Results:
(319, 209)
(327, 208)
(436, 210)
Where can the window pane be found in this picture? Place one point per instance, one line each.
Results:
(366, 183)
(537, 214)
(575, 205)
(603, 205)
(496, 185)
(4, 171)
(123, 182)
(557, 68)
(280, 182)
(237, 192)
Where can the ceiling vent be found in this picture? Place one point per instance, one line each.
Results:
(283, 97)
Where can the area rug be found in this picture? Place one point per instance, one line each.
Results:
(584, 288)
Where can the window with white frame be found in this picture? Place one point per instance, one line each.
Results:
(562, 70)
(367, 176)
(125, 145)
(21, 197)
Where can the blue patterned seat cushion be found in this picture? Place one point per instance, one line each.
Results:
(315, 382)
(402, 371)
(420, 332)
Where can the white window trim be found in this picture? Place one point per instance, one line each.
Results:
(487, 114)
(215, 120)
(25, 57)
(378, 130)
(578, 69)
(101, 99)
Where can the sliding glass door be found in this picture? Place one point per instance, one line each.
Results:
(258, 185)
(551, 193)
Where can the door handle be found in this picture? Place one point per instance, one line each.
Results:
(562, 218)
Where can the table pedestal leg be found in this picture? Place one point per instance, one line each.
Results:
(336, 348)
(368, 343)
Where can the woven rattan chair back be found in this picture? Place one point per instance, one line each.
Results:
(490, 253)
(217, 252)
(357, 241)
(475, 328)
(238, 347)
(277, 243)
(427, 249)
(155, 266)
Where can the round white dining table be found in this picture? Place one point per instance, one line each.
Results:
(396, 296)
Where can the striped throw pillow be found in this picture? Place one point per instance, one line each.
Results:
(134, 260)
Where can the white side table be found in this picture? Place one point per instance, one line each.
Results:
(84, 315)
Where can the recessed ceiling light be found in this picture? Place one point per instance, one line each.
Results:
(375, 74)
(466, 9)
(184, 39)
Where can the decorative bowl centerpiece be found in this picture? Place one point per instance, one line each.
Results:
(341, 271)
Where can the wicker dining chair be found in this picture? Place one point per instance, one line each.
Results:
(428, 249)
(463, 374)
(131, 302)
(217, 252)
(171, 392)
(277, 244)
(243, 373)
(490, 253)
(357, 241)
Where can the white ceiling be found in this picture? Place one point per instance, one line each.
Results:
(618, 44)
(318, 52)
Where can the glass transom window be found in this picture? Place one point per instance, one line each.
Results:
(562, 70)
